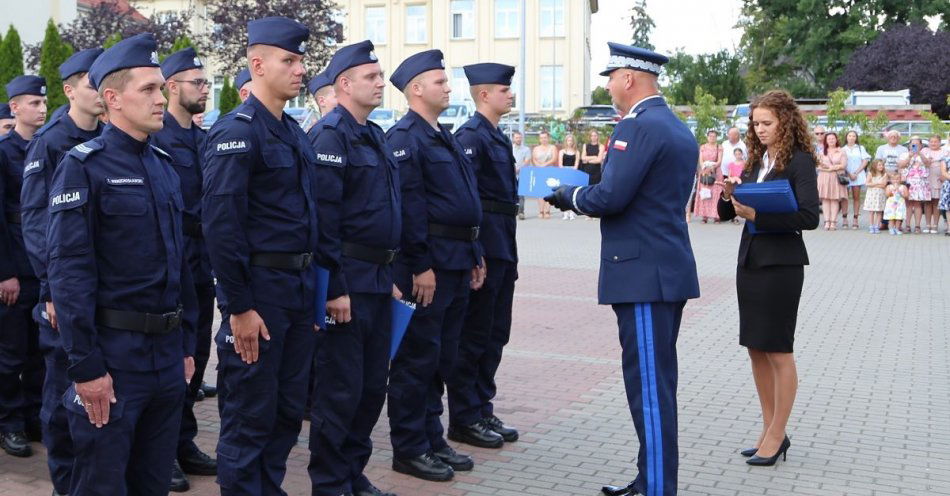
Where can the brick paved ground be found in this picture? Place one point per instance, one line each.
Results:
(871, 416)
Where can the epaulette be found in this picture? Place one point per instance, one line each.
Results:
(82, 151)
(244, 112)
(330, 121)
(404, 124)
(161, 152)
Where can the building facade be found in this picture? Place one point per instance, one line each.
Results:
(557, 48)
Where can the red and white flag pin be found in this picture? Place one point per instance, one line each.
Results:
(620, 145)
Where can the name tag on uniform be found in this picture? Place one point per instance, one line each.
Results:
(125, 181)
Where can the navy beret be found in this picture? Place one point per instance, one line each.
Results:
(280, 32)
(489, 73)
(350, 56)
(317, 82)
(135, 51)
(636, 58)
(415, 65)
(78, 62)
(5, 111)
(26, 85)
(181, 61)
(242, 78)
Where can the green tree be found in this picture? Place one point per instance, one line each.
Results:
(181, 43)
(112, 40)
(600, 96)
(229, 98)
(53, 53)
(804, 45)
(834, 109)
(709, 112)
(642, 25)
(719, 74)
(11, 59)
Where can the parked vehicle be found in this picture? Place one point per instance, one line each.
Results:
(456, 114)
(385, 118)
(597, 115)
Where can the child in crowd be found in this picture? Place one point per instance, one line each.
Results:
(875, 198)
(895, 208)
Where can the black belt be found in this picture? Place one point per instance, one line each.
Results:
(369, 254)
(454, 232)
(497, 207)
(146, 323)
(287, 261)
(14, 218)
(191, 229)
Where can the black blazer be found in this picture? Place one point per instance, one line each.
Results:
(785, 248)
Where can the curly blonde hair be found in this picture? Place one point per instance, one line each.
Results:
(793, 134)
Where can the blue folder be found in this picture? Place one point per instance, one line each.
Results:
(322, 277)
(402, 314)
(768, 197)
(538, 182)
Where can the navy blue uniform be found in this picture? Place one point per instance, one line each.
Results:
(647, 271)
(440, 207)
(185, 147)
(116, 253)
(259, 220)
(47, 148)
(360, 225)
(488, 317)
(21, 362)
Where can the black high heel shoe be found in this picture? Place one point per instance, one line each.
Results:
(751, 451)
(768, 462)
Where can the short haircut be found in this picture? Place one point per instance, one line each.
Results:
(116, 81)
(517, 132)
(75, 79)
(544, 132)
(475, 89)
(324, 91)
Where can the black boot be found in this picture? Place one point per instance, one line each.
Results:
(371, 491)
(426, 466)
(209, 390)
(458, 462)
(194, 461)
(507, 433)
(16, 444)
(477, 434)
(179, 482)
(619, 490)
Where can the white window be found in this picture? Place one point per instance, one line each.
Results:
(376, 24)
(416, 24)
(463, 19)
(552, 18)
(507, 19)
(459, 83)
(552, 87)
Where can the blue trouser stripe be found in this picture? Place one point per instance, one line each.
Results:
(654, 401)
(648, 419)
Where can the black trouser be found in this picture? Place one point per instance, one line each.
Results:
(189, 424)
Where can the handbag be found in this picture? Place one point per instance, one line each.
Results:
(844, 179)
(707, 179)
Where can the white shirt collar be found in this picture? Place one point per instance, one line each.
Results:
(635, 105)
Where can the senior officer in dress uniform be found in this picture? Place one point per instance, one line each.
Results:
(243, 83)
(187, 88)
(360, 225)
(260, 224)
(647, 270)
(488, 318)
(125, 302)
(21, 362)
(440, 261)
(324, 96)
(49, 144)
(6, 119)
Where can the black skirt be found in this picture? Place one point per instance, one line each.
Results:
(768, 306)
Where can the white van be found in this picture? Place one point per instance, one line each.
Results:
(456, 114)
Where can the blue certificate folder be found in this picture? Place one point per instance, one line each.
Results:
(402, 314)
(768, 197)
(538, 182)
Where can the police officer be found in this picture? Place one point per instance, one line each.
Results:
(21, 363)
(125, 303)
(321, 89)
(260, 224)
(440, 258)
(187, 88)
(243, 83)
(647, 270)
(360, 224)
(49, 144)
(6, 119)
(488, 319)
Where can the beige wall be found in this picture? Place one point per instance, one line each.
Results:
(570, 51)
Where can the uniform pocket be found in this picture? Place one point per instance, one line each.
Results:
(620, 250)
(278, 157)
(123, 204)
(73, 403)
(228, 469)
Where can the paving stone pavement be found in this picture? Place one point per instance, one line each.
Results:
(871, 416)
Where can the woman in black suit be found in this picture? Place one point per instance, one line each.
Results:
(771, 264)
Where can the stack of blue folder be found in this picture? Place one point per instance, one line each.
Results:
(767, 197)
